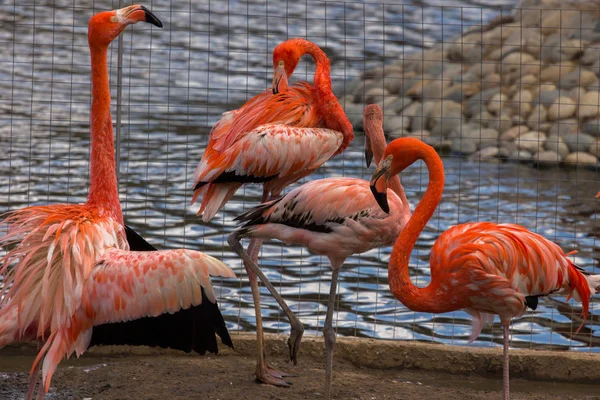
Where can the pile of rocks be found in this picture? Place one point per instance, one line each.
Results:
(525, 87)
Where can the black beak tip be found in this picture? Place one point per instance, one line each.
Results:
(381, 199)
(151, 18)
(368, 158)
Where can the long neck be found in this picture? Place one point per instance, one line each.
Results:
(378, 144)
(104, 192)
(332, 111)
(428, 299)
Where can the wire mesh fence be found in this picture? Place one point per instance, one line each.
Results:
(492, 97)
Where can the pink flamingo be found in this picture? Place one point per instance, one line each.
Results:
(70, 267)
(335, 217)
(275, 138)
(482, 267)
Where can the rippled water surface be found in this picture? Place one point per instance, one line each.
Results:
(209, 58)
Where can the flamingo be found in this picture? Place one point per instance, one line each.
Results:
(335, 217)
(481, 267)
(275, 138)
(69, 266)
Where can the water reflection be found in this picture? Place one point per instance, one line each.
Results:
(212, 55)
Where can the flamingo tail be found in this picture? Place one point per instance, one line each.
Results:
(582, 285)
(215, 198)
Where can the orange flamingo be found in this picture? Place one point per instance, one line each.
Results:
(335, 217)
(69, 266)
(482, 267)
(276, 138)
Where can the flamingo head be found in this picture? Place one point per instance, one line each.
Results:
(104, 27)
(373, 120)
(286, 56)
(398, 156)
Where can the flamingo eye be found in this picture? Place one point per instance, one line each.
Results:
(113, 19)
(281, 63)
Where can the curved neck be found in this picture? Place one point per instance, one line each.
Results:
(430, 298)
(104, 191)
(378, 144)
(332, 111)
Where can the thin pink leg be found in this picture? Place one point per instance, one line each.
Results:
(33, 381)
(505, 367)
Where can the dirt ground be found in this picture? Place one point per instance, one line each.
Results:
(142, 373)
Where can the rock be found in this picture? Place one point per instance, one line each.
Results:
(578, 77)
(591, 54)
(512, 133)
(487, 137)
(595, 148)
(465, 48)
(401, 84)
(553, 73)
(578, 142)
(547, 97)
(375, 95)
(514, 62)
(419, 134)
(548, 158)
(484, 69)
(497, 103)
(490, 81)
(592, 127)
(580, 158)
(537, 120)
(563, 107)
(564, 126)
(531, 141)
(463, 145)
(482, 119)
(398, 133)
(501, 123)
(438, 143)
(589, 105)
(476, 103)
(556, 144)
(354, 112)
(520, 155)
(485, 153)
(396, 123)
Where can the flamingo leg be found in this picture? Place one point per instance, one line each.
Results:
(329, 333)
(33, 381)
(505, 366)
(297, 327)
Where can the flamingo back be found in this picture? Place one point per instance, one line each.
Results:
(498, 265)
(336, 217)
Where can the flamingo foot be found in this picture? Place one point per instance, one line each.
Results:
(271, 376)
(294, 341)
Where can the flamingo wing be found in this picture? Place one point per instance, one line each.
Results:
(319, 206)
(294, 107)
(269, 153)
(502, 268)
(127, 285)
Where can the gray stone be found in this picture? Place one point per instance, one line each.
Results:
(520, 155)
(500, 123)
(438, 143)
(464, 145)
(556, 144)
(400, 85)
(592, 127)
(537, 120)
(563, 107)
(580, 158)
(591, 53)
(547, 97)
(477, 103)
(532, 141)
(577, 77)
(392, 124)
(445, 125)
(579, 142)
(547, 158)
(595, 148)
(398, 133)
(564, 126)
(512, 133)
(485, 153)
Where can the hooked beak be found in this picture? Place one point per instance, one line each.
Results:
(140, 13)
(379, 188)
(598, 195)
(279, 79)
(368, 150)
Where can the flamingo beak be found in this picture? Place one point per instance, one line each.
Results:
(368, 150)
(598, 195)
(378, 186)
(137, 13)
(279, 79)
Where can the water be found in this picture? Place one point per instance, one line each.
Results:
(209, 58)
